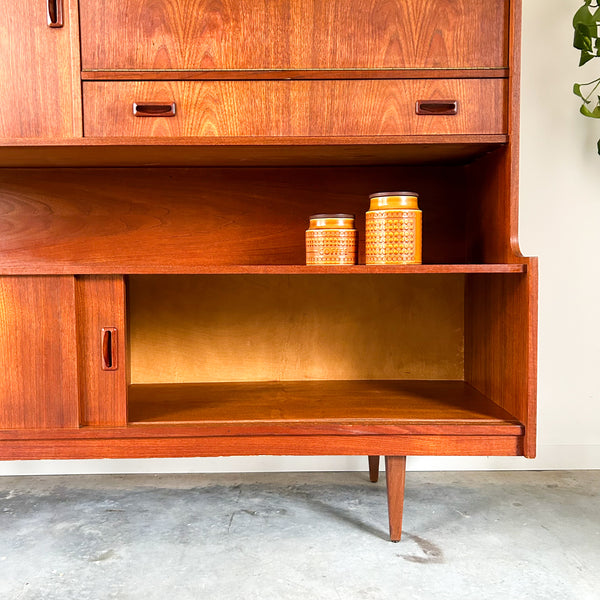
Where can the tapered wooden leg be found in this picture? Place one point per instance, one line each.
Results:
(374, 468)
(395, 474)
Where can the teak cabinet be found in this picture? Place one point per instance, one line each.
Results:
(157, 173)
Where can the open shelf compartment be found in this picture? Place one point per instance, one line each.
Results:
(321, 407)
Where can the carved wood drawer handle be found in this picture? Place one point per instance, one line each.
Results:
(437, 107)
(54, 13)
(109, 349)
(154, 109)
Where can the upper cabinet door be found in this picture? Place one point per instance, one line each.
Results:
(39, 69)
(293, 34)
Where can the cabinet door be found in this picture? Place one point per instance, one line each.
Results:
(39, 69)
(101, 347)
(38, 354)
(293, 34)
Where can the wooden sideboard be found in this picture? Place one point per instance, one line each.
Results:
(158, 165)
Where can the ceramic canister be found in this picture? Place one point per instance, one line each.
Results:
(331, 240)
(394, 224)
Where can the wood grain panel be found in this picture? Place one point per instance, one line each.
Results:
(481, 428)
(293, 34)
(245, 328)
(249, 151)
(39, 72)
(431, 405)
(38, 387)
(103, 394)
(190, 75)
(294, 108)
(501, 343)
(156, 447)
(146, 220)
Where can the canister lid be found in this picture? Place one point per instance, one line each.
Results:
(394, 200)
(332, 216)
(332, 221)
(381, 194)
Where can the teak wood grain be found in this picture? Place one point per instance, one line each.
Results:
(248, 151)
(293, 34)
(500, 343)
(355, 69)
(40, 89)
(38, 386)
(432, 405)
(152, 220)
(294, 108)
(254, 328)
(156, 446)
(395, 475)
(374, 469)
(274, 74)
(100, 303)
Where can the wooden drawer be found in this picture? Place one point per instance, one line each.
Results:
(293, 34)
(292, 108)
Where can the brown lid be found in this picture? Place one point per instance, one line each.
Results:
(381, 194)
(332, 216)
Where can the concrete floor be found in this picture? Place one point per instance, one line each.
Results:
(517, 535)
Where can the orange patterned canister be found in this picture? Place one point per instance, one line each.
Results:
(331, 240)
(394, 224)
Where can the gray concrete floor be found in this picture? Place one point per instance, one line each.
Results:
(484, 535)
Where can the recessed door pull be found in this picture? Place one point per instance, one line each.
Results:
(109, 349)
(54, 13)
(437, 107)
(154, 109)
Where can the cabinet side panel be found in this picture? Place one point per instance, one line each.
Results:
(501, 343)
(38, 387)
(39, 72)
(103, 393)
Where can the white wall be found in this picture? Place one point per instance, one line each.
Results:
(560, 223)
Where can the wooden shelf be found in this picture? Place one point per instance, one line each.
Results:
(166, 269)
(355, 269)
(323, 407)
(247, 151)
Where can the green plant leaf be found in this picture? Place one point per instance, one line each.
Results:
(594, 114)
(598, 146)
(585, 57)
(586, 39)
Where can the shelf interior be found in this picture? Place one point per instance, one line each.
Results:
(417, 405)
(190, 329)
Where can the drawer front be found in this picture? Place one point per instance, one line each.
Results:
(293, 108)
(293, 34)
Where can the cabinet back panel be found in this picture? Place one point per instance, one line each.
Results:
(293, 34)
(117, 220)
(261, 328)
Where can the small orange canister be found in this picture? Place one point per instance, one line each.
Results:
(394, 224)
(331, 240)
